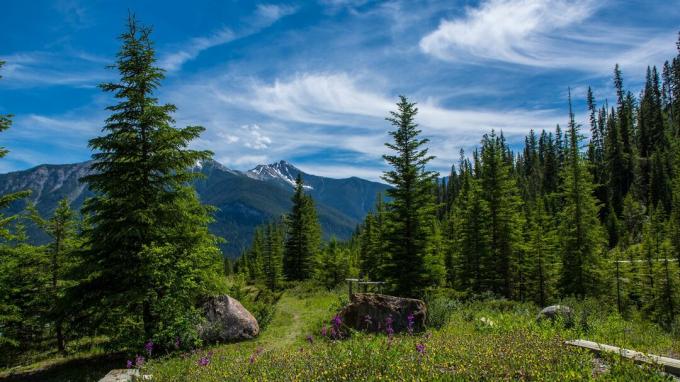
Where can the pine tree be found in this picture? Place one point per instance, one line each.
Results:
(469, 248)
(580, 231)
(151, 255)
(411, 202)
(542, 257)
(61, 228)
(272, 261)
(334, 265)
(504, 223)
(303, 240)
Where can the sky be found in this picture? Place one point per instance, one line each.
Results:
(311, 81)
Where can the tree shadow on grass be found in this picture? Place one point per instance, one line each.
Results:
(77, 370)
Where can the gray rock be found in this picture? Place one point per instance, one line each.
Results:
(369, 312)
(555, 312)
(226, 320)
(121, 375)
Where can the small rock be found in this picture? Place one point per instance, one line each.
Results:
(121, 375)
(227, 321)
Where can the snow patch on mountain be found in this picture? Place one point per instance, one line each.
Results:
(280, 171)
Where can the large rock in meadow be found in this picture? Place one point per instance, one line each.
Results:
(555, 312)
(226, 320)
(370, 312)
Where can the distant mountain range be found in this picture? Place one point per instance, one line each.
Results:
(244, 199)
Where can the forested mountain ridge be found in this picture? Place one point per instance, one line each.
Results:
(244, 199)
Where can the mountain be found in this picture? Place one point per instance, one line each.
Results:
(243, 200)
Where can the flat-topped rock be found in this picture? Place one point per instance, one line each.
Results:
(370, 312)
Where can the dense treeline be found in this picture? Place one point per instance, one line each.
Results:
(561, 216)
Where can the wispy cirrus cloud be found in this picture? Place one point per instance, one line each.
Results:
(554, 34)
(339, 117)
(264, 16)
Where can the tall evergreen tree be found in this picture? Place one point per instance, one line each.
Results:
(504, 219)
(272, 261)
(411, 202)
(151, 255)
(303, 240)
(61, 228)
(580, 231)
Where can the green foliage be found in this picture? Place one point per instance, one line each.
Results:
(150, 256)
(334, 264)
(303, 239)
(581, 243)
(411, 204)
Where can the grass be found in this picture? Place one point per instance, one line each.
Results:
(512, 347)
(482, 341)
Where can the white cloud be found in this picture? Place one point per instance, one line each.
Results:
(543, 33)
(265, 15)
(174, 61)
(270, 13)
(255, 139)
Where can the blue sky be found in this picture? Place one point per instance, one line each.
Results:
(311, 81)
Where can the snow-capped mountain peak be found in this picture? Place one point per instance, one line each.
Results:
(280, 171)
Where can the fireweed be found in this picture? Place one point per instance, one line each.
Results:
(388, 326)
(411, 321)
(149, 347)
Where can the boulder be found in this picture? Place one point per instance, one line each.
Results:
(226, 320)
(370, 312)
(554, 312)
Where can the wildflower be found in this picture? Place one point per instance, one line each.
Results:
(335, 330)
(129, 364)
(310, 339)
(420, 348)
(204, 361)
(149, 347)
(252, 358)
(411, 321)
(139, 361)
(323, 331)
(178, 343)
(388, 326)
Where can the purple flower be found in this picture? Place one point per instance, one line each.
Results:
(149, 347)
(204, 361)
(139, 361)
(411, 321)
(324, 331)
(252, 358)
(335, 330)
(420, 348)
(388, 326)
(178, 343)
(129, 364)
(310, 339)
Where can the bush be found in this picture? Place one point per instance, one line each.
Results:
(439, 310)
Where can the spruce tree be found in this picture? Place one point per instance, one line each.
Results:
(411, 204)
(303, 240)
(150, 254)
(272, 261)
(504, 219)
(579, 228)
(61, 228)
